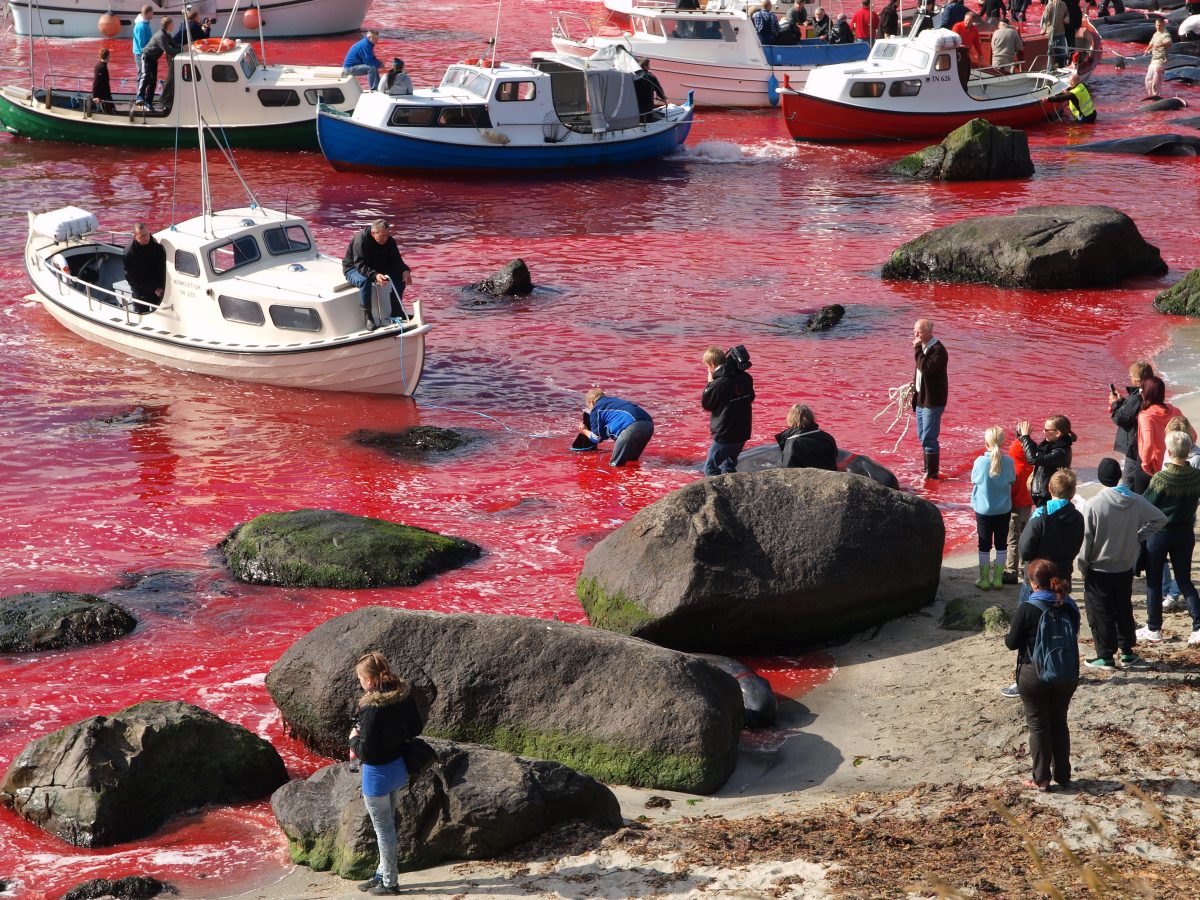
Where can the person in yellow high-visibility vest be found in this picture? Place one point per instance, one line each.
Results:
(1079, 98)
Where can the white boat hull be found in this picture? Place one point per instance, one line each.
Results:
(280, 18)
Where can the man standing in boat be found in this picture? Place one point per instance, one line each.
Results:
(765, 24)
(374, 259)
(1007, 48)
(361, 60)
(930, 389)
(162, 44)
(145, 269)
(142, 32)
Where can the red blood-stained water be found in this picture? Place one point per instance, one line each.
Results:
(110, 465)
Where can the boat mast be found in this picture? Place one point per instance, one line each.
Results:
(496, 33)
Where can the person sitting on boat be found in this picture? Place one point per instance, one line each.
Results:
(792, 30)
(396, 82)
(627, 424)
(765, 24)
(647, 88)
(361, 60)
(953, 13)
(804, 445)
(374, 259)
(1007, 48)
(865, 23)
(889, 20)
(162, 44)
(142, 32)
(969, 32)
(821, 23)
(102, 97)
(840, 33)
(145, 269)
(1079, 100)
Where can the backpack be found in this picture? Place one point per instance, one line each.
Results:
(1055, 645)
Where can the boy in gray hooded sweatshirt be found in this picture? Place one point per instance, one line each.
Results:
(1114, 522)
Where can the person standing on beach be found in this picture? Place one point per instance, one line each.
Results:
(1022, 510)
(629, 426)
(1048, 456)
(1124, 414)
(1152, 422)
(1115, 521)
(1055, 531)
(930, 390)
(728, 397)
(992, 478)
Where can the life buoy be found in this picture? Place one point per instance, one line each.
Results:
(470, 62)
(212, 45)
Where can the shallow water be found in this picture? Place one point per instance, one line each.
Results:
(111, 465)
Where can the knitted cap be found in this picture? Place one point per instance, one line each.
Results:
(1109, 472)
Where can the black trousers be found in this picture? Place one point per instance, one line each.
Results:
(1046, 715)
(1108, 599)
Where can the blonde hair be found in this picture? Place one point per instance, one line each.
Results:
(1180, 423)
(374, 666)
(714, 356)
(800, 416)
(992, 439)
(1062, 484)
(593, 395)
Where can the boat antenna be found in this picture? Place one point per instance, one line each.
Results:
(262, 41)
(496, 33)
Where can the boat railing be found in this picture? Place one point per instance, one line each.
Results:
(95, 295)
(573, 27)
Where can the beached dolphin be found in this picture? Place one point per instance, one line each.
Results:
(757, 696)
(769, 456)
(1148, 145)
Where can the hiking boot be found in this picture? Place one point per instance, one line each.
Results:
(370, 882)
(1149, 635)
(1009, 577)
(984, 582)
(383, 890)
(1133, 661)
(1010, 691)
(1100, 663)
(997, 577)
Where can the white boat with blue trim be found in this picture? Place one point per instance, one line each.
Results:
(556, 111)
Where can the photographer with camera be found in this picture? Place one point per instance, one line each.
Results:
(727, 397)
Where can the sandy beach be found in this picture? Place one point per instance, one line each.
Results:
(901, 777)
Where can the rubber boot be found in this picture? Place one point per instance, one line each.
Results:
(985, 578)
(997, 576)
(931, 465)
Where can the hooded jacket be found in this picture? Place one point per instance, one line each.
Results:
(387, 721)
(1046, 458)
(1056, 536)
(1022, 469)
(1152, 435)
(728, 397)
(1113, 524)
(809, 448)
(1124, 414)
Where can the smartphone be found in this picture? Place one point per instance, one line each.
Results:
(1112, 387)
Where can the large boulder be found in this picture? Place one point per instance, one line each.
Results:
(52, 620)
(131, 887)
(765, 561)
(621, 710)
(116, 778)
(513, 279)
(322, 548)
(1034, 247)
(976, 151)
(1181, 298)
(474, 802)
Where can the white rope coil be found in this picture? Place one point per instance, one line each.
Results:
(901, 399)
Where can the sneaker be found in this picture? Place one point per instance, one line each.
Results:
(1133, 661)
(1009, 577)
(1010, 691)
(383, 890)
(370, 882)
(1150, 635)
(1100, 663)
(1175, 604)
(1194, 639)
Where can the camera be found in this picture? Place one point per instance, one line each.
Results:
(738, 358)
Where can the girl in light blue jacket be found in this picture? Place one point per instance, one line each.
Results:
(992, 479)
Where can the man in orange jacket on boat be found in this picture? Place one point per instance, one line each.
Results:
(969, 32)
(374, 259)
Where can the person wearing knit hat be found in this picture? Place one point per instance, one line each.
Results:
(1115, 521)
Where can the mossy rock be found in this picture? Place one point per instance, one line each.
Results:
(53, 620)
(996, 620)
(324, 548)
(975, 151)
(1182, 298)
(415, 441)
(963, 614)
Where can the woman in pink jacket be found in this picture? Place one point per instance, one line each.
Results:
(1152, 426)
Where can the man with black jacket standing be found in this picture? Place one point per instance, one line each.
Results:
(728, 397)
(373, 258)
(1124, 413)
(145, 269)
(931, 388)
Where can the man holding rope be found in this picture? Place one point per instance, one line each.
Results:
(930, 388)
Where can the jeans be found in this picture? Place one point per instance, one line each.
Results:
(1058, 50)
(929, 426)
(366, 290)
(371, 72)
(382, 811)
(1016, 524)
(1177, 545)
(722, 458)
(149, 80)
(631, 442)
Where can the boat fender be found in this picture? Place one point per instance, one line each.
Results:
(212, 45)
(773, 90)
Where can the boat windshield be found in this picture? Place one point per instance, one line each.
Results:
(884, 50)
(235, 252)
(476, 82)
(286, 239)
(249, 62)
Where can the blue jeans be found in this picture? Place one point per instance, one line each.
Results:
(366, 290)
(1177, 545)
(722, 458)
(929, 426)
(371, 72)
(382, 811)
(1058, 50)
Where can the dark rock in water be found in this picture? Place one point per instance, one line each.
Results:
(167, 591)
(419, 439)
(512, 279)
(976, 151)
(1182, 298)
(1164, 104)
(1147, 145)
(621, 710)
(116, 778)
(52, 620)
(131, 887)
(324, 548)
(768, 456)
(1038, 247)
(473, 802)
(761, 707)
(825, 319)
(765, 561)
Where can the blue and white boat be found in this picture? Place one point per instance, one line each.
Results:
(557, 111)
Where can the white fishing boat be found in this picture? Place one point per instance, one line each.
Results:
(278, 18)
(714, 53)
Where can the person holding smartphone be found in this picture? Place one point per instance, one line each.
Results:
(1124, 413)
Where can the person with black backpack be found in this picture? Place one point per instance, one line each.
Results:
(1045, 634)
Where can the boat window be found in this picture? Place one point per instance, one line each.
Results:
(245, 311)
(286, 239)
(866, 89)
(186, 73)
(943, 63)
(278, 97)
(464, 117)
(411, 116)
(295, 318)
(516, 90)
(249, 63)
(224, 73)
(909, 87)
(456, 76)
(231, 254)
(645, 25)
(918, 59)
(480, 85)
(687, 30)
(330, 95)
(884, 50)
(187, 263)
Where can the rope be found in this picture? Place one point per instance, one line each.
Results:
(901, 399)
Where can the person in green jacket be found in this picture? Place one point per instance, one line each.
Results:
(1176, 491)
